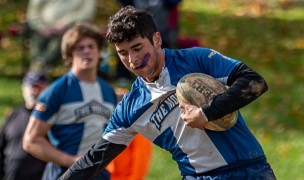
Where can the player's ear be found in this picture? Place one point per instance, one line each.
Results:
(157, 41)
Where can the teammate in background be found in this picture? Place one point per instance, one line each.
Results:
(151, 107)
(47, 22)
(74, 109)
(15, 163)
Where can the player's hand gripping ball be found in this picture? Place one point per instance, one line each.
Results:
(198, 89)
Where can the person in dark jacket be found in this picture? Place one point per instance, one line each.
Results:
(15, 163)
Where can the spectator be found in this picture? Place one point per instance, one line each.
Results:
(15, 163)
(47, 21)
(74, 109)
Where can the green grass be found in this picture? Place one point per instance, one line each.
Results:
(271, 42)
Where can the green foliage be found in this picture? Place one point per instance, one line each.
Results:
(268, 37)
(10, 95)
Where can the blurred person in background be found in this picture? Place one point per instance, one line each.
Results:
(134, 162)
(74, 110)
(15, 163)
(47, 21)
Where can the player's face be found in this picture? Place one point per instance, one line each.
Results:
(86, 55)
(141, 57)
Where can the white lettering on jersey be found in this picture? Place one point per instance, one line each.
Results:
(90, 108)
(165, 105)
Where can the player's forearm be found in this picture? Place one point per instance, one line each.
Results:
(43, 150)
(245, 86)
(94, 161)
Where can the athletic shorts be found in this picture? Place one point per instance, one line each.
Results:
(53, 172)
(258, 170)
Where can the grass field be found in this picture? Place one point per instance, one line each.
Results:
(268, 37)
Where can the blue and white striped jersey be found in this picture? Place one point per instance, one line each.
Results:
(152, 109)
(77, 110)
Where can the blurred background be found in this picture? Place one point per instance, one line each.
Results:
(265, 34)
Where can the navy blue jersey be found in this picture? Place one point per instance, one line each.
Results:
(77, 110)
(152, 109)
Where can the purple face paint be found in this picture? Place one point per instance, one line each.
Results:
(145, 60)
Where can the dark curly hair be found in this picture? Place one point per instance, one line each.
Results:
(75, 34)
(129, 23)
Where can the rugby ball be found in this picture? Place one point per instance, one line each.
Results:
(198, 89)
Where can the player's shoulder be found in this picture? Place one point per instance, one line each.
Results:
(137, 93)
(138, 86)
(60, 85)
(57, 84)
(188, 51)
(188, 55)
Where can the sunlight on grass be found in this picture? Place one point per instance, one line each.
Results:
(163, 166)
(284, 149)
(293, 14)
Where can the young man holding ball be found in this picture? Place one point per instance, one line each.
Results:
(151, 107)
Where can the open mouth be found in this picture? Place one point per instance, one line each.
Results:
(86, 59)
(145, 60)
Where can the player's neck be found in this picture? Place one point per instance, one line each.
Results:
(89, 76)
